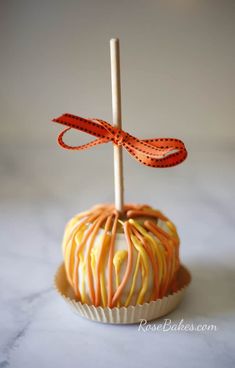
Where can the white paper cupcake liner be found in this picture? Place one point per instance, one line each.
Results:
(123, 315)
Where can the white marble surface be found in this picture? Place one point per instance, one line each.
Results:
(41, 188)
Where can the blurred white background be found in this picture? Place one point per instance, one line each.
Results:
(177, 64)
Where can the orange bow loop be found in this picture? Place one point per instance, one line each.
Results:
(157, 152)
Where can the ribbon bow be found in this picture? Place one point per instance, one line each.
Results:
(158, 152)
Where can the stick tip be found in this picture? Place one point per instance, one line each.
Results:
(114, 40)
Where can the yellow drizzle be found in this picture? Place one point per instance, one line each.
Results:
(118, 259)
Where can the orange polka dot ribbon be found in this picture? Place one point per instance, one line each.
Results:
(158, 152)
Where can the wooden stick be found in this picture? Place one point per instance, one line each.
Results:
(117, 122)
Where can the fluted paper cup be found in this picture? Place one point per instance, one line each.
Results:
(123, 315)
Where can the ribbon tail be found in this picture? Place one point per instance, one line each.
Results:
(90, 126)
(165, 143)
(168, 157)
